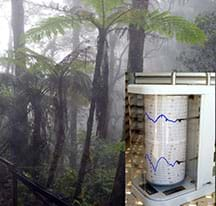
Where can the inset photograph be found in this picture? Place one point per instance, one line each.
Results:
(170, 139)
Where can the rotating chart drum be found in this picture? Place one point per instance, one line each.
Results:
(165, 138)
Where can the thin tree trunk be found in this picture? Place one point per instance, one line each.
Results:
(37, 142)
(10, 48)
(85, 155)
(136, 41)
(17, 27)
(135, 64)
(58, 150)
(19, 131)
(112, 65)
(73, 137)
(118, 192)
(74, 108)
(95, 90)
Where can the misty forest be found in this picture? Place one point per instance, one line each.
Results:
(62, 76)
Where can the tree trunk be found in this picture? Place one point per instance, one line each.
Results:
(118, 191)
(73, 137)
(10, 67)
(60, 136)
(17, 27)
(112, 65)
(136, 41)
(85, 155)
(19, 131)
(74, 108)
(37, 142)
(103, 99)
(95, 90)
(76, 38)
(135, 64)
(102, 94)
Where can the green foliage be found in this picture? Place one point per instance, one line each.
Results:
(115, 148)
(40, 64)
(81, 136)
(22, 191)
(51, 27)
(207, 23)
(65, 183)
(202, 58)
(9, 58)
(103, 7)
(24, 195)
(105, 153)
(115, 14)
(168, 25)
(5, 91)
(80, 84)
(100, 172)
(99, 176)
(82, 65)
(98, 186)
(5, 101)
(34, 62)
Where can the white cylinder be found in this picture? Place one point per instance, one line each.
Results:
(165, 138)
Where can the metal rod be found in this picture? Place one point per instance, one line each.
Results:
(188, 118)
(34, 187)
(208, 78)
(173, 76)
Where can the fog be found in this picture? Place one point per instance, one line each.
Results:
(160, 54)
(62, 86)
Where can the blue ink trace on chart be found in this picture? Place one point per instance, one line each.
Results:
(159, 117)
(155, 167)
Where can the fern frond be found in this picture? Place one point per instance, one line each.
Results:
(81, 84)
(119, 16)
(5, 60)
(36, 62)
(7, 79)
(82, 66)
(170, 26)
(108, 5)
(87, 16)
(165, 24)
(51, 27)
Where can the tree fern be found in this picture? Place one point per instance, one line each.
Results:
(165, 24)
(40, 64)
(80, 84)
(174, 27)
(43, 72)
(103, 6)
(161, 22)
(51, 26)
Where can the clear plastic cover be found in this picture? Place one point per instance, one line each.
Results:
(165, 138)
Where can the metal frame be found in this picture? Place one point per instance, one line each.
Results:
(178, 78)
